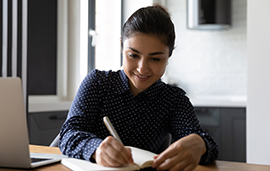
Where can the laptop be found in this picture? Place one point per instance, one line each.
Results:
(14, 140)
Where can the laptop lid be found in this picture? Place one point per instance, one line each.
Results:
(14, 141)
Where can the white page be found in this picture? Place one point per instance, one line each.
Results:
(83, 165)
(141, 156)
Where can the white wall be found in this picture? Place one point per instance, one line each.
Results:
(209, 63)
(258, 94)
(130, 6)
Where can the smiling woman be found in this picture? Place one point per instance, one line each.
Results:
(145, 58)
(146, 47)
(142, 108)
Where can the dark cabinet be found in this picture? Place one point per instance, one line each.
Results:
(228, 127)
(44, 126)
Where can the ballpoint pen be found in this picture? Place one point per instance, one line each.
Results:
(110, 127)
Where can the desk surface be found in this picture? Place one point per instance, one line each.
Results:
(216, 166)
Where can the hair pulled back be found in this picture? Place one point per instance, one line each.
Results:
(151, 20)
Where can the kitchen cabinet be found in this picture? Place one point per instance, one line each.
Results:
(228, 127)
(44, 126)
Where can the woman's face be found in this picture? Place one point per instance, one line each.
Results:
(144, 60)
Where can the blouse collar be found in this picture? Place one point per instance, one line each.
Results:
(153, 90)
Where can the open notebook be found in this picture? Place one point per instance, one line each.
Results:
(142, 160)
(14, 141)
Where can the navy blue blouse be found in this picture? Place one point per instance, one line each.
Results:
(142, 121)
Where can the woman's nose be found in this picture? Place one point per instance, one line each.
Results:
(142, 67)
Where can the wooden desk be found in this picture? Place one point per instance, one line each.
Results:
(216, 166)
(43, 149)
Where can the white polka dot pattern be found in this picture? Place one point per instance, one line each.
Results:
(142, 121)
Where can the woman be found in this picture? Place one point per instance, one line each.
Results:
(141, 107)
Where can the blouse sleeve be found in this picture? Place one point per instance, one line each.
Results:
(185, 122)
(76, 139)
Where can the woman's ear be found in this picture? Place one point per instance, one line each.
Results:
(121, 41)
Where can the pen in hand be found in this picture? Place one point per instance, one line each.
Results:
(110, 127)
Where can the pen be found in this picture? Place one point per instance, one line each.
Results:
(110, 127)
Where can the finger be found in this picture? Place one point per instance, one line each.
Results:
(103, 159)
(171, 163)
(111, 162)
(130, 155)
(190, 167)
(123, 151)
(155, 157)
(118, 151)
(107, 152)
(119, 155)
(183, 165)
(161, 158)
(179, 166)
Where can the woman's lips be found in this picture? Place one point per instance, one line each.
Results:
(142, 78)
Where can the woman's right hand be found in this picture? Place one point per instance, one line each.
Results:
(112, 153)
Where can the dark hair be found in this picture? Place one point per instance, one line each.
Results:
(151, 20)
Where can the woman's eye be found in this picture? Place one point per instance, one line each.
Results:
(155, 59)
(133, 55)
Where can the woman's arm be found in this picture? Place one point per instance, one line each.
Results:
(77, 139)
(193, 145)
(79, 135)
(184, 154)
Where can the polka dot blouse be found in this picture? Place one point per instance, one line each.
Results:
(142, 121)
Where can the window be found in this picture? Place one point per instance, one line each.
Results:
(108, 34)
(75, 54)
(71, 56)
(92, 34)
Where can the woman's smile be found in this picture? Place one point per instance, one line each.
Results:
(142, 78)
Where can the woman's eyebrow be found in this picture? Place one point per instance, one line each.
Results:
(156, 53)
(150, 54)
(133, 50)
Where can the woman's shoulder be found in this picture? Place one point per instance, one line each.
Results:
(103, 74)
(177, 96)
(174, 90)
